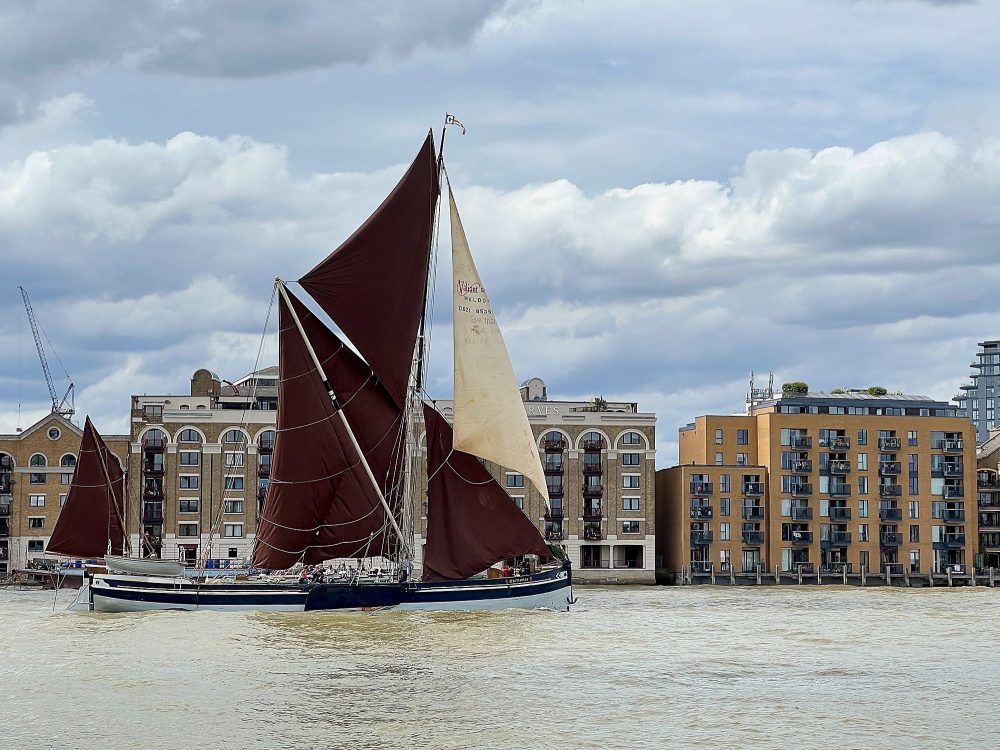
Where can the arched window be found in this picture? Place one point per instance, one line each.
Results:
(266, 439)
(631, 438)
(593, 441)
(69, 461)
(553, 440)
(233, 436)
(6, 462)
(38, 460)
(189, 436)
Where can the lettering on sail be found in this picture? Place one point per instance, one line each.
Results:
(474, 301)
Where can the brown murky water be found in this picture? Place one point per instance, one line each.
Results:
(638, 667)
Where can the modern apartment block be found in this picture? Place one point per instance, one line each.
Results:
(979, 400)
(600, 463)
(822, 482)
(36, 469)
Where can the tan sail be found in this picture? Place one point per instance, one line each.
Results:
(490, 420)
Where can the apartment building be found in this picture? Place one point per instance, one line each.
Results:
(980, 398)
(36, 470)
(822, 482)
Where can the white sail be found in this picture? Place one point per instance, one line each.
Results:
(490, 420)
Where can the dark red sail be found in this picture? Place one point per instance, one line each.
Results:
(471, 520)
(94, 513)
(373, 284)
(320, 502)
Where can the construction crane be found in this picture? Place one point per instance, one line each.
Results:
(64, 407)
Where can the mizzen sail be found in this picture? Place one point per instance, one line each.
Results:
(372, 286)
(92, 522)
(471, 520)
(489, 416)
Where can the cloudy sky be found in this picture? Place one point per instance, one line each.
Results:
(661, 196)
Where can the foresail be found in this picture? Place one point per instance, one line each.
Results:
(320, 503)
(372, 286)
(489, 419)
(471, 520)
(93, 515)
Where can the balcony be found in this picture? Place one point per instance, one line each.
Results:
(890, 490)
(152, 515)
(553, 467)
(890, 443)
(263, 470)
(753, 512)
(802, 466)
(5, 506)
(592, 513)
(890, 514)
(753, 538)
(837, 539)
(840, 443)
(840, 513)
(989, 520)
(154, 445)
(554, 536)
(5, 483)
(840, 489)
(592, 470)
(800, 538)
(802, 489)
(701, 538)
(554, 445)
(153, 469)
(954, 490)
(593, 445)
(952, 470)
(701, 488)
(890, 468)
(262, 493)
(988, 481)
(593, 535)
(950, 541)
(951, 446)
(554, 514)
(265, 445)
(701, 511)
(753, 489)
(556, 490)
(802, 442)
(592, 490)
(840, 467)
(152, 492)
(801, 513)
(890, 539)
(4, 528)
(953, 516)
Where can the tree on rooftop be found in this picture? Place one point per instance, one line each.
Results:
(796, 386)
(877, 390)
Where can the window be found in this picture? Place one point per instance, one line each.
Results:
(630, 459)
(236, 506)
(233, 436)
(36, 522)
(862, 509)
(724, 506)
(232, 530)
(718, 459)
(36, 501)
(718, 437)
(724, 532)
(862, 437)
(68, 461)
(36, 545)
(234, 483)
(742, 437)
(234, 459)
(233, 552)
(188, 505)
(38, 461)
(742, 459)
(914, 486)
(189, 436)
(190, 458)
(518, 501)
(187, 529)
(631, 438)
(911, 437)
(862, 485)
(725, 558)
(863, 559)
(630, 481)
(724, 483)
(914, 509)
(153, 412)
(65, 479)
(630, 527)
(188, 481)
(54, 433)
(515, 480)
(913, 463)
(914, 533)
(824, 507)
(862, 532)
(62, 500)
(862, 462)
(36, 478)
(630, 503)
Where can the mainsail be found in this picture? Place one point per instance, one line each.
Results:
(489, 415)
(92, 522)
(471, 520)
(372, 286)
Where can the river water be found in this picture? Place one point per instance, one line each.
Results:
(629, 667)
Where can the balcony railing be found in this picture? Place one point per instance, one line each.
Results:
(554, 445)
(840, 489)
(800, 537)
(753, 538)
(592, 490)
(701, 537)
(151, 468)
(554, 514)
(889, 468)
(954, 490)
(701, 488)
(592, 513)
(950, 541)
(701, 511)
(5, 507)
(553, 467)
(265, 445)
(753, 512)
(840, 443)
(840, 467)
(593, 535)
(264, 470)
(753, 488)
(592, 470)
(890, 443)
(154, 444)
(951, 446)
(988, 482)
(802, 466)
(153, 492)
(802, 442)
(890, 539)
(952, 470)
(553, 536)
(839, 513)
(953, 516)
(802, 489)
(837, 539)
(5, 483)
(890, 490)
(890, 514)
(593, 445)
(152, 515)
(800, 513)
